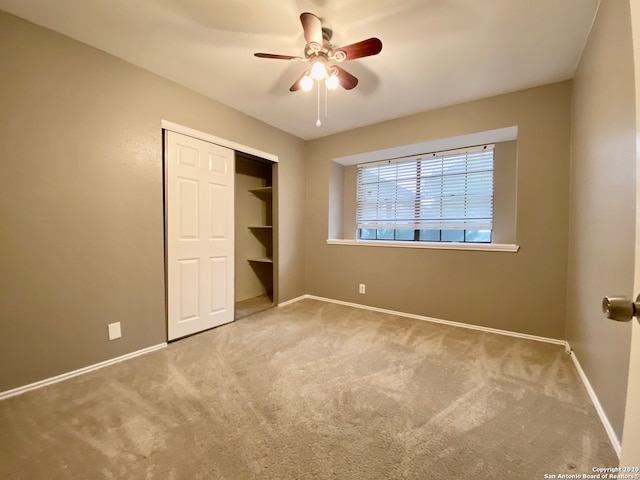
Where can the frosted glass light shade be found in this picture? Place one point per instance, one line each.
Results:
(318, 71)
(332, 82)
(306, 83)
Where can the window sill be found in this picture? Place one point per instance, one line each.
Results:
(484, 247)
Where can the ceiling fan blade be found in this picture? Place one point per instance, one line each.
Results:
(312, 27)
(345, 79)
(277, 57)
(365, 48)
(296, 85)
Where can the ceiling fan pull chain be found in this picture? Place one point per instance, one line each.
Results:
(326, 101)
(318, 123)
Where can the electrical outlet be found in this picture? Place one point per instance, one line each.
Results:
(114, 331)
(362, 288)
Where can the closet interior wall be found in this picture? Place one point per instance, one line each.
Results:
(253, 228)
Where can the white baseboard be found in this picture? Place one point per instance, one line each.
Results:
(293, 300)
(438, 320)
(49, 381)
(596, 403)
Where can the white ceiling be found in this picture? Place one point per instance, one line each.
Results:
(435, 52)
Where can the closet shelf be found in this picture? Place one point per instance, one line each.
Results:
(259, 226)
(260, 260)
(262, 191)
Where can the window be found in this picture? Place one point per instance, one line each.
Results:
(439, 197)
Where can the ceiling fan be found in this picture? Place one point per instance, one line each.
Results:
(319, 52)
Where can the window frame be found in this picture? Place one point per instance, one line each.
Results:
(457, 157)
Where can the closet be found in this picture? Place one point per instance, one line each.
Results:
(254, 234)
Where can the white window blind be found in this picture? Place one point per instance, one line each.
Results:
(447, 190)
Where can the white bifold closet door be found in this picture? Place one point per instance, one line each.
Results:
(200, 234)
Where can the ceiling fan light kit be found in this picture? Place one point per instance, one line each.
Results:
(318, 70)
(319, 52)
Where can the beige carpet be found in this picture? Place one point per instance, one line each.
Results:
(314, 390)
(249, 306)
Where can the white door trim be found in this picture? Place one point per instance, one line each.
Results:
(207, 137)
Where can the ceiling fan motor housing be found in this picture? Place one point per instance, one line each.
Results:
(314, 49)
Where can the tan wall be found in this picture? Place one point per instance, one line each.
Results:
(349, 202)
(602, 233)
(81, 192)
(521, 292)
(505, 199)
